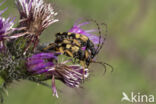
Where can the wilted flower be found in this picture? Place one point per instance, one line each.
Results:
(35, 16)
(5, 28)
(70, 75)
(89, 33)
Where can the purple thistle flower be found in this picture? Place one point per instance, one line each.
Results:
(41, 62)
(70, 75)
(5, 28)
(89, 33)
(35, 16)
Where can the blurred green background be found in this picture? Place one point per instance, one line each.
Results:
(130, 49)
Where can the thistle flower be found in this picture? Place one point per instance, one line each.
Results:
(5, 28)
(35, 16)
(70, 75)
(89, 33)
(39, 63)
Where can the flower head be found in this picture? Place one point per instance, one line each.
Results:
(70, 75)
(5, 28)
(40, 63)
(35, 16)
(89, 33)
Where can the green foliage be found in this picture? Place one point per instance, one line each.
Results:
(1, 81)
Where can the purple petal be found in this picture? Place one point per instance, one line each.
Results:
(80, 69)
(32, 61)
(30, 5)
(83, 48)
(1, 12)
(54, 87)
(77, 29)
(2, 2)
(1, 24)
(44, 55)
(42, 71)
(40, 66)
